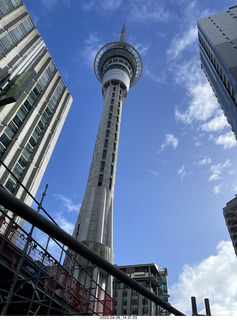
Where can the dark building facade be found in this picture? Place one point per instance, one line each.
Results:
(218, 51)
(230, 215)
(129, 302)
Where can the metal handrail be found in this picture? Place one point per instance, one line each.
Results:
(21, 209)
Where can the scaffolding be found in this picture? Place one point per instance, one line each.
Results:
(34, 282)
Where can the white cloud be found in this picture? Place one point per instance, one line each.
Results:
(87, 5)
(110, 5)
(90, 48)
(204, 161)
(227, 140)
(68, 203)
(147, 10)
(218, 169)
(170, 140)
(65, 225)
(182, 172)
(154, 172)
(217, 188)
(214, 278)
(142, 49)
(50, 4)
(203, 104)
(102, 6)
(216, 124)
(180, 43)
(153, 75)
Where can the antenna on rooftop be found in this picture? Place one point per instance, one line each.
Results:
(122, 37)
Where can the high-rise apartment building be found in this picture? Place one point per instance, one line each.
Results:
(128, 302)
(218, 50)
(34, 101)
(118, 66)
(230, 215)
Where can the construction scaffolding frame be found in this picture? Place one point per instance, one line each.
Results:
(34, 282)
(99, 303)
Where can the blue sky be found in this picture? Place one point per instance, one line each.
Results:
(177, 155)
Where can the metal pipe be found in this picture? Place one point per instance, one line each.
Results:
(207, 307)
(36, 219)
(194, 306)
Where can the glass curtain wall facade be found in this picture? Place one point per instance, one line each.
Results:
(34, 102)
(218, 51)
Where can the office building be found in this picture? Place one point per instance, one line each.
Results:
(34, 102)
(118, 67)
(230, 215)
(129, 302)
(218, 51)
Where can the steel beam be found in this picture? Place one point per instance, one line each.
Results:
(21, 209)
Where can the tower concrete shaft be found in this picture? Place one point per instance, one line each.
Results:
(117, 66)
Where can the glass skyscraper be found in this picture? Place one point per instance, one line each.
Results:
(218, 50)
(34, 102)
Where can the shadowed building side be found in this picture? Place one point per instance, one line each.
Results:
(218, 52)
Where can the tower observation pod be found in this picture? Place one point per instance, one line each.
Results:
(118, 66)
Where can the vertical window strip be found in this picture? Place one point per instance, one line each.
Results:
(100, 181)
(13, 37)
(33, 141)
(26, 107)
(7, 6)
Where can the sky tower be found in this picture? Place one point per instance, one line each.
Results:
(118, 66)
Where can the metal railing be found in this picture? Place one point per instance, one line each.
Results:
(39, 282)
(53, 231)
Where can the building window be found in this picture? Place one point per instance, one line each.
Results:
(112, 170)
(106, 143)
(110, 183)
(232, 93)
(134, 311)
(112, 101)
(117, 119)
(118, 111)
(113, 94)
(116, 128)
(104, 154)
(100, 180)
(110, 116)
(109, 124)
(102, 166)
(145, 310)
(111, 108)
(114, 88)
(113, 157)
(115, 136)
(107, 133)
(114, 146)
(119, 104)
(11, 184)
(8, 41)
